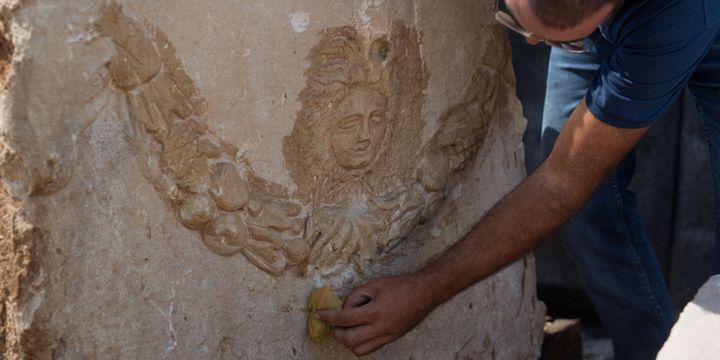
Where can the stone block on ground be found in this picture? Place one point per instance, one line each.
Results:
(695, 335)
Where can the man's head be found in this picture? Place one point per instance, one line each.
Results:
(560, 20)
(564, 14)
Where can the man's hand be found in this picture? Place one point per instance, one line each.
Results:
(379, 312)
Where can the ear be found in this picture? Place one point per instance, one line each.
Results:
(379, 50)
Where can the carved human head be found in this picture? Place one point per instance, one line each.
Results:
(358, 126)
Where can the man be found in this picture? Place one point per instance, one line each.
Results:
(632, 61)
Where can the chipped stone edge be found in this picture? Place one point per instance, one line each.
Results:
(20, 275)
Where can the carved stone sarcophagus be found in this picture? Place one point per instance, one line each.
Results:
(180, 175)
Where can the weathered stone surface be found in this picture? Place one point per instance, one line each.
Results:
(182, 175)
(694, 336)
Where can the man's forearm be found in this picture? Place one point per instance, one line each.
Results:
(586, 151)
(513, 227)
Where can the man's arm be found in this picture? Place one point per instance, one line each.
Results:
(586, 151)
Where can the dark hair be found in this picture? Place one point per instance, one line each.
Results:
(564, 14)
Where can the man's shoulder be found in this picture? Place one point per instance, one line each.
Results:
(658, 46)
(712, 12)
(656, 22)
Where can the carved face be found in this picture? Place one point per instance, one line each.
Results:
(358, 128)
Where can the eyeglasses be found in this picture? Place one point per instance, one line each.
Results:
(575, 46)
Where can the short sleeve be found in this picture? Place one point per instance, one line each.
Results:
(646, 73)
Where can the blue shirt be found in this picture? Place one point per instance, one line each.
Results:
(658, 45)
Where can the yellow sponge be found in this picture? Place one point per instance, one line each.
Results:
(323, 298)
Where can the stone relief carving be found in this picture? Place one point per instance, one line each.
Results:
(196, 174)
(365, 180)
(352, 149)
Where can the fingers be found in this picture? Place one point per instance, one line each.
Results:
(370, 318)
(347, 317)
(362, 339)
(357, 299)
(372, 345)
(355, 336)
